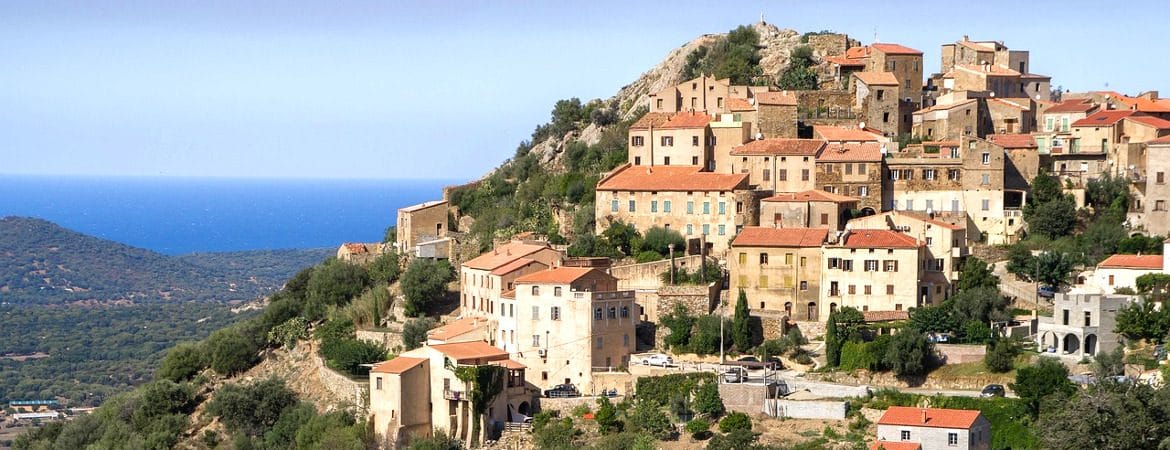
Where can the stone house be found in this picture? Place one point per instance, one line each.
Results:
(877, 94)
(683, 139)
(467, 329)
(933, 429)
(904, 63)
(779, 269)
(947, 121)
(571, 321)
(853, 169)
(777, 164)
(871, 270)
(1156, 219)
(1081, 325)
(777, 114)
(847, 135)
(1022, 163)
(696, 204)
(703, 94)
(485, 279)
(359, 253)
(418, 393)
(420, 223)
(1054, 142)
(728, 132)
(807, 209)
(842, 67)
(945, 246)
(1010, 116)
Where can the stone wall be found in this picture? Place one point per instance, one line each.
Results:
(622, 381)
(646, 275)
(698, 300)
(746, 398)
(390, 337)
(811, 330)
(808, 409)
(828, 44)
(958, 354)
(826, 108)
(825, 390)
(350, 391)
(777, 121)
(565, 405)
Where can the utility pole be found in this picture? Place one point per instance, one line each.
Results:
(671, 247)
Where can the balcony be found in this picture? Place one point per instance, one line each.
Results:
(454, 395)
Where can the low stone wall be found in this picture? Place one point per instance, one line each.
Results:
(808, 409)
(827, 390)
(622, 381)
(646, 275)
(961, 353)
(565, 405)
(746, 398)
(699, 300)
(391, 337)
(350, 391)
(811, 330)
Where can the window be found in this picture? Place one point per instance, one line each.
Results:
(834, 290)
(1064, 124)
(556, 313)
(828, 168)
(613, 206)
(824, 219)
(666, 206)
(378, 383)
(871, 265)
(986, 179)
(637, 160)
(986, 204)
(1159, 205)
(910, 204)
(719, 102)
(986, 158)
(868, 290)
(952, 439)
(834, 263)
(852, 289)
(625, 312)
(536, 340)
(598, 314)
(1048, 123)
(861, 168)
(612, 312)
(890, 290)
(536, 290)
(929, 240)
(535, 312)
(625, 340)
(690, 229)
(881, 94)
(666, 161)
(848, 169)
(767, 175)
(722, 230)
(929, 174)
(847, 265)
(929, 204)
(706, 207)
(667, 141)
(722, 208)
(953, 174)
(1088, 318)
(763, 258)
(739, 207)
(654, 206)
(690, 207)
(782, 175)
(600, 342)
(632, 206)
(885, 117)
(557, 291)
(803, 174)
(1160, 177)
(694, 160)
(695, 141)
(763, 281)
(863, 191)
(706, 229)
(743, 258)
(803, 261)
(804, 285)
(954, 152)
(658, 104)
(788, 259)
(636, 141)
(1065, 317)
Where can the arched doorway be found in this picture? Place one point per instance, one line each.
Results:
(811, 312)
(524, 409)
(832, 308)
(1049, 340)
(867, 211)
(1072, 344)
(1091, 344)
(788, 309)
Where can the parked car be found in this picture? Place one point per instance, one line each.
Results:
(774, 363)
(749, 359)
(658, 359)
(735, 375)
(992, 390)
(1046, 291)
(563, 390)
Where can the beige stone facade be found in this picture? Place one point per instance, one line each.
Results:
(421, 223)
(904, 63)
(808, 209)
(853, 169)
(705, 94)
(779, 270)
(871, 270)
(947, 121)
(777, 115)
(945, 246)
(878, 95)
(484, 281)
(778, 165)
(682, 139)
(1157, 192)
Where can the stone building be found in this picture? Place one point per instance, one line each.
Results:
(807, 209)
(420, 223)
(570, 320)
(871, 270)
(418, 393)
(777, 115)
(848, 135)
(933, 429)
(703, 94)
(682, 198)
(777, 164)
(853, 170)
(904, 63)
(1156, 220)
(779, 269)
(1081, 325)
(945, 246)
(1119, 271)
(1022, 163)
(842, 67)
(683, 139)
(359, 253)
(877, 94)
(728, 132)
(485, 279)
(947, 121)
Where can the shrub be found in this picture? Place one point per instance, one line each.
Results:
(647, 417)
(606, 416)
(699, 429)
(385, 268)
(909, 353)
(581, 410)
(288, 333)
(182, 362)
(424, 282)
(1001, 355)
(439, 441)
(707, 399)
(333, 283)
(252, 408)
(858, 355)
(659, 240)
(414, 332)
(349, 354)
(735, 421)
(661, 389)
(231, 352)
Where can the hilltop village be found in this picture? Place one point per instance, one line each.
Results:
(791, 212)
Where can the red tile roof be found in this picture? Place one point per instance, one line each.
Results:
(846, 61)
(356, 249)
(894, 445)
(1012, 140)
(895, 49)
(780, 237)
(1072, 106)
(877, 78)
(470, 350)
(810, 196)
(919, 215)
(850, 152)
(1018, 103)
(1104, 118)
(879, 239)
(559, 275)
(992, 70)
(397, 365)
(1156, 122)
(1161, 140)
(780, 146)
(1146, 105)
(513, 266)
(935, 417)
(503, 255)
(775, 98)
(687, 120)
(655, 118)
(857, 52)
(670, 178)
(885, 316)
(423, 205)
(509, 364)
(1132, 262)
(842, 134)
(739, 104)
(457, 328)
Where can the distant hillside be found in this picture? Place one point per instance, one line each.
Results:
(44, 263)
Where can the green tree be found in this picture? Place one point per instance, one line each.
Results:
(1051, 219)
(385, 268)
(833, 341)
(231, 352)
(981, 304)
(182, 362)
(707, 399)
(933, 319)
(977, 274)
(735, 421)
(349, 355)
(623, 236)
(1143, 320)
(334, 283)
(1033, 383)
(1053, 268)
(252, 408)
(680, 323)
(735, 440)
(741, 331)
(414, 332)
(659, 240)
(909, 354)
(1109, 364)
(1107, 415)
(1001, 355)
(799, 74)
(647, 417)
(1021, 263)
(391, 235)
(439, 441)
(606, 416)
(1155, 286)
(424, 283)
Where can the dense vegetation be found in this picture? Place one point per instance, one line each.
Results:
(735, 56)
(800, 73)
(43, 263)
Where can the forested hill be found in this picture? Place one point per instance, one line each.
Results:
(44, 263)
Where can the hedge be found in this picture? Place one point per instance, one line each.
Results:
(660, 389)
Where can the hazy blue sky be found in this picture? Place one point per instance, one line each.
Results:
(435, 89)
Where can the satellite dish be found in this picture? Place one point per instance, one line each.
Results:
(861, 125)
(993, 93)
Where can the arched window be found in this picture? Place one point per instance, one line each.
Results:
(557, 291)
(597, 314)
(612, 312)
(625, 312)
(536, 290)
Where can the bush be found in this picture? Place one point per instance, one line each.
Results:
(859, 355)
(333, 283)
(231, 352)
(439, 441)
(659, 240)
(414, 332)
(661, 389)
(647, 417)
(182, 362)
(699, 429)
(251, 408)
(735, 421)
(288, 333)
(424, 282)
(1001, 355)
(707, 399)
(909, 353)
(348, 355)
(385, 268)
(606, 416)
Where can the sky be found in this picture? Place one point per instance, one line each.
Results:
(429, 89)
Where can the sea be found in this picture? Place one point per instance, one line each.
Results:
(179, 215)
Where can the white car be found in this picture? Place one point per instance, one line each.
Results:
(658, 359)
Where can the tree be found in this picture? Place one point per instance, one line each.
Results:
(1033, 383)
(425, 282)
(623, 236)
(1109, 364)
(252, 408)
(1108, 415)
(391, 235)
(333, 283)
(981, 304)
(1053, 219)
(1143, 320)
(647, 417)
(659, 240)
(1001, 355)
(350, 355)
(1053, 268)
(414, 332)
(832, 342)
(385, 268)
(1021, 262)
(606, 416)
(735, 421)
(680, 323)
(799, 74)
(231, 352)
(741, 331)
(976, 274)
(182, 362)
(589, 244)
(735, 440)
(933, 319)
(1154, 285)
(439, 441)
(707, 399)
(909, 354)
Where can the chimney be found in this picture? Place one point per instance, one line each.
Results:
(923, 415)
(966, 38)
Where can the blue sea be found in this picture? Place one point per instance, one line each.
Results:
(183, 215)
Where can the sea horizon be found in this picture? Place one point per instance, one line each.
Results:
(177, 215)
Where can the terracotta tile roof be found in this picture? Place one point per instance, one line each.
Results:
(655, 118)
(780, 146)
(945, 106)
(508, 294)
(670, 178)
(355, 248)
(1079, 105)
(775, 98)
(559, 275)
(851, 151)
(780, 237)
(503, 255)
(513, 266)
(1161, 140)
(846, 61)
(509, 364)
(397, 365)
(895, 49)
(1018, 103)
(842, 134)
(920, 215)
(687, 120)
(879, 239)
(1104, 118)
(945, 144)
(740, 104)
(885, 316)
(1013, 140)
(857, 52)
(877, 78)
(935, 417)
(992, 70)
(1132, 262)
(470, 350)
(894, 445)
(1146, 105)
(1156, 122)
(423, 205)
(810, 196)
(457, 328)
